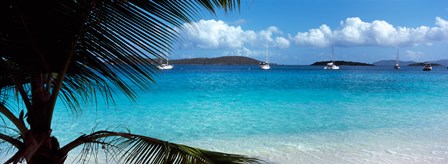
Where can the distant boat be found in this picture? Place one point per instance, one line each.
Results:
(397, 61)
(165, 66)
(265, 65)
(332, 64)
(427, 67)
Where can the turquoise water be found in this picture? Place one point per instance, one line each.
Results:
(288, 114)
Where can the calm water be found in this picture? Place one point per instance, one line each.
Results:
(289, 114)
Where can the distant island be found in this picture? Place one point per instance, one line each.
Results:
(423, 64)
(392, 62)
(339, 62)
(242, 60)
(225, 60)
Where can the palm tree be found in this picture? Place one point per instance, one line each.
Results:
(73, 49)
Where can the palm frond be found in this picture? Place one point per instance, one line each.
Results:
(121, 39)
(14, 141)
(80, 48)
(131, 148)
(17, 121)
(109, 42)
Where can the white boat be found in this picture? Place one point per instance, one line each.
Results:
(397, 62)
(427, 67)
(265, 65)
(332, 64)
(165, 66)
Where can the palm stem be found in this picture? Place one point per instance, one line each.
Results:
(17, 122)
(23, 94)
(61, 75)
(16, 143)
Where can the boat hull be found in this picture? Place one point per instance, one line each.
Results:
(331, 67)
(163, 67)
(265, 67)
(427, 67)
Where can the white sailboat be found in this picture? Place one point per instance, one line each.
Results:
(165, 66)
(265, 65)
(397, 61)
(332, 64)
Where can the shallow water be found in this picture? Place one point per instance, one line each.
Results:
(288, 114)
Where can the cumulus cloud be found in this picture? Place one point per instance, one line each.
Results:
(216, 34)
(355, 32)
(414, 55)
(281, 42)
(320, 37)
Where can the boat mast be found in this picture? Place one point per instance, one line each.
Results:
(398, 57)
(332, 52)
(266, 53)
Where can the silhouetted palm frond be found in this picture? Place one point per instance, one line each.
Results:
(76, 49)
(96, 43)
(131, 148)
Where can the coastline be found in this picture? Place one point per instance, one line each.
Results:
(396, 146)
(381, 146)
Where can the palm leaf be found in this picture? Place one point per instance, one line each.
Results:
(14, 141)
(105, 42)
(131, 148)
(83, 48)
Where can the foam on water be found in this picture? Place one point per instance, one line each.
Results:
(380, 146)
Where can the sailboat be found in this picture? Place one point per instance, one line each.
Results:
(165, 66)
(265, 65)
(397, 62)
(332, 64)
(427, 67)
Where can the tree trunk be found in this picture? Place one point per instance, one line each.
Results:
(40, 147)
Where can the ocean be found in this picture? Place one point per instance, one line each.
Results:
(286, 115)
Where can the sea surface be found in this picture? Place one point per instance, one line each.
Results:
(286, 115)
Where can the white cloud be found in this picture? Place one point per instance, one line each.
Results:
(414, 55)
(281, 42)
(315, 37)
(213, 34)
(355, 32)
(216, 34)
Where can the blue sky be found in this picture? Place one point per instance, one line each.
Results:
(301, 31)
